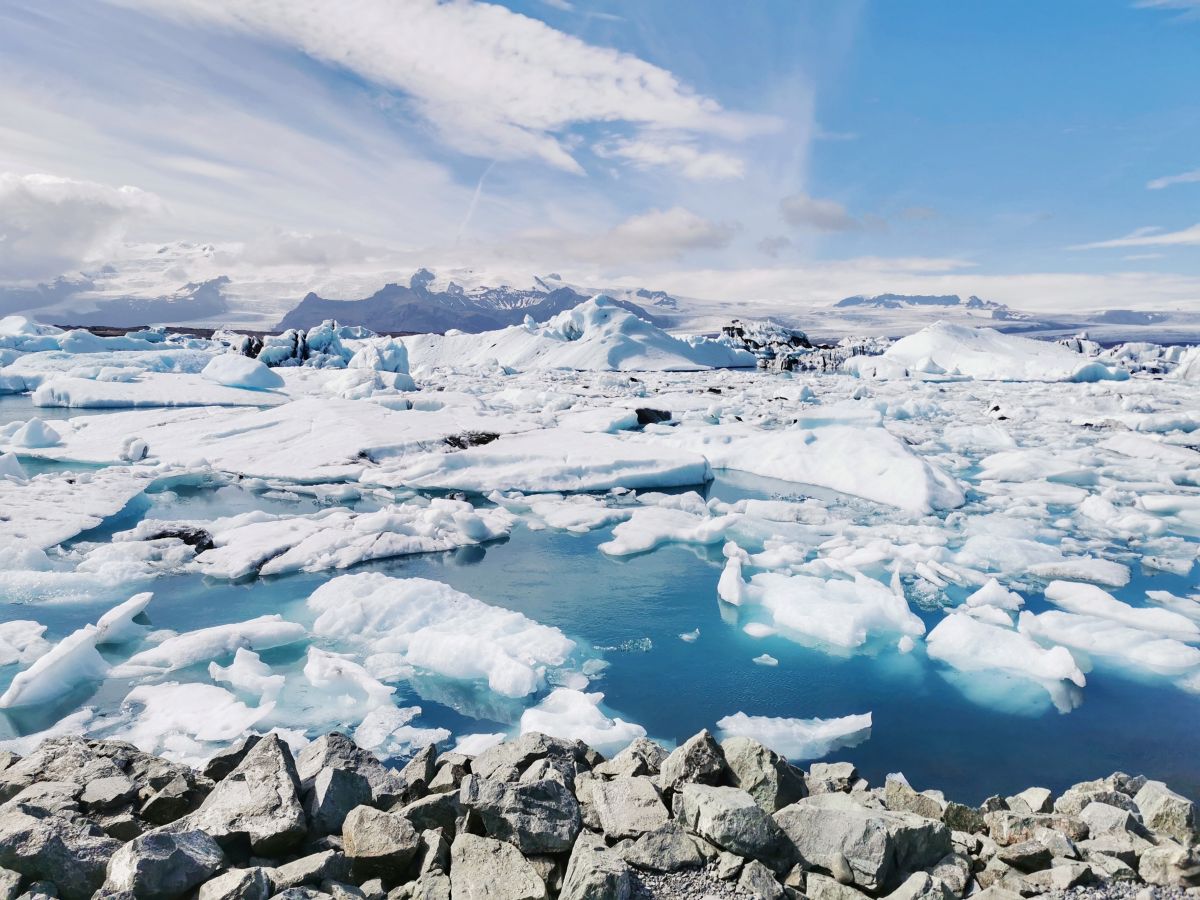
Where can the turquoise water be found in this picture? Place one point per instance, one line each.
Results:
(632, 611)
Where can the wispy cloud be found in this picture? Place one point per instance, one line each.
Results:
(492, 82)
(686, 158)
(654, 236)
(1149, 237)
(1182, 178)
(803, 211)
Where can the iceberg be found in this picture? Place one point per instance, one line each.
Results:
(799, 739)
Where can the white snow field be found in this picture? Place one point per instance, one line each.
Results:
(456, 537)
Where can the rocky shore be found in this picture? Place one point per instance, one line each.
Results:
(538, 817)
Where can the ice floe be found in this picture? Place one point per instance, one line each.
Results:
(799, 739)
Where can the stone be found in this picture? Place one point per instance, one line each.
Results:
(1032, 800)
(762, 773)
(1027, 856)
(312, 869)
(72, 855)
(731, 819)
(65, 759)
(258, 801)
(628, 807)
(508, 760)
(954, 871)
(596, 873)
(728, 865)
(1111, 868)
(759, 881)
(124, 826)
(538, 817)
(336, 751)
(1074, 799)
(485, 869)
(899, 796)
(996, 893)
(922, 886)
(1170, 865)
(880, 847)
(959, 817)
(822, 887)
(434, 811)
(10, 881)
(1102, 818)
(238, 884)
(1166, 812)
(379, 844)
(829, 778)
(175, 799)
(668, 848)
(1006, 827)
(698, 759)
(225, 761)
(161, 866)
(48, 798)
(1124, 846)
(108, 793)
(47, 890)
(641, 757)
(434, 886)
(449, 778)
(1058, 878)
(331, 796)
(419, 771)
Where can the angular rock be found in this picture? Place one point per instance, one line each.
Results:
(434, 855)
(434, 886)
(1006, 827)
(954, 871)
(1103, 818)
(879, 847)
(238, 884)
(313, 869)
(508, 760)
(173, 800)
(1123, 846)
(258, 801)
(225, 761)
(1166, 812)
(379, 844)
(762, 773)
(10, 881)
(1032, 800)
(1027, 856)
(69, 759)
(596, 873)
(666, 849)
(731, 819)
(160, 866)
(628, 807)
(899, 796)
(333, 793)
(434, 811)
(1074, 799)
(73, 856)
(537, 817)
(822, 887)
(336, 751)
(419, 771)
(922, 886)
(829, 778)
(959, 817)
(1111, 868)
(108, 793)
(485, 869)
(759, 881)
(1058, 878)
(1170, 866)
(697, 760)
(642, 757)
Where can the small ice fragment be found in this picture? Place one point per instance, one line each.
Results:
(905, 644)
(690, 636)
(758, 629)
(766, 660)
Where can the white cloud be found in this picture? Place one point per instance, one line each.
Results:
(1149, 237)
(652, 236)
(1183, 178)
(493, 83)
(1189, 8)
(275, 247)
(686, 158)
(51, 225)
(804, 211)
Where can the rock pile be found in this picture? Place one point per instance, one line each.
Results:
(538, 817)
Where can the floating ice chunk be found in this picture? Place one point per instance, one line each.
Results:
(577, 513)
(177, 720)
(970, 645)
(652, 526)
(765, 659)
(51, 508)
(381, 354)
(386, 731)
(906, 644)
(837, 611)
(474, 744)
(235, 370)
(994, 594)
(1084, 568)
(606, 419)
(1119, 643)
(150, 390)
(21, 641)
(35, 434)
(1087, 599)
(758, 629)
(993, 615)
(1184, 606)
(211, 643)
(249, 674)
(574, 715)
(117, 626)
(10, 467)
(71, 662)
(348, 683)
(731, 588)
(799, 739)
(440, 630)
(74, 723)
(690, 636)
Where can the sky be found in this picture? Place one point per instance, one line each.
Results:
(1043, 153)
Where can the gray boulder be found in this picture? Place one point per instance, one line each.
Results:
(1170, 865)
(509, 760)
(831, 778)
(327, 865)
(822, 887)
(1007, 827)
(331, 796)
(225, 761)
(1166, 812)
(435, 811)
(73, 856)
(379, 844)
(668, 848)
(596, 873)
(160, 866)
(876, 849)
(899, 796)
(336, 751)
(1032, 800)
(757, 880)
(70, 759)
(1027, 856)
(729, 818)
(237, 884)
(762, 773)
(628, 807)
(697, 760)
(537, 817)
(419, 771)
(108, 793)
(485, 869)
(642, 757)
(922, 886)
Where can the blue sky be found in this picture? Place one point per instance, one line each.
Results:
(1041, 152)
